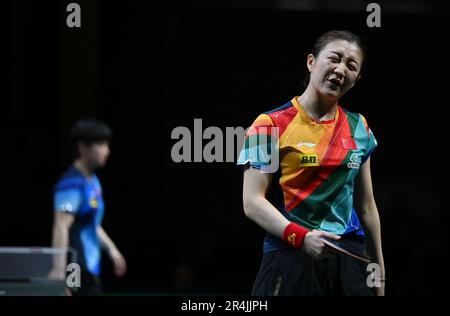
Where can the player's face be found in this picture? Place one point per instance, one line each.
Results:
(336, 69)
(97, 154)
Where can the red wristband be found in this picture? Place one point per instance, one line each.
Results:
(293, 234)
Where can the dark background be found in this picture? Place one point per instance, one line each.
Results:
(146, 67)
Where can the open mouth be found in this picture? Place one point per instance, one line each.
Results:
(335, 82)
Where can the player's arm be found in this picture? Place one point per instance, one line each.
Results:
(367, 211)
(60, 239)
(120, 265)
(257, 207)
(262, 212)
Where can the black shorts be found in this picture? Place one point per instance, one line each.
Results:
(294, 272)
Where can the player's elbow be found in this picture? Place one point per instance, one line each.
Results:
(368, 213)
(247, 207)
(368, 207)
(250, 206)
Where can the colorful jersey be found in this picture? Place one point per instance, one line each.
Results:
(317, 165)
(76, 194)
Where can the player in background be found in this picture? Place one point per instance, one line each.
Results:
(79, 208)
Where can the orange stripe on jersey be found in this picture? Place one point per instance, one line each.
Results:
(293, 176)
(331, 160)
(315, 138)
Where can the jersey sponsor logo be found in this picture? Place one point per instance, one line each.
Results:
(93, 203)
(93, 199)
(355, 161)
(309, 160)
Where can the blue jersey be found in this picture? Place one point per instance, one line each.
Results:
(81, 196)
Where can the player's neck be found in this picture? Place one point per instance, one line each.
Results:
(316, 106)
(82, 166)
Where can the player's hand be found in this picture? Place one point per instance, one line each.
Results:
(120, 265)
(57, 274)
(315, 247)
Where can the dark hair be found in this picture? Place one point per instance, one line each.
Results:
(335, 35)
(90, 131)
